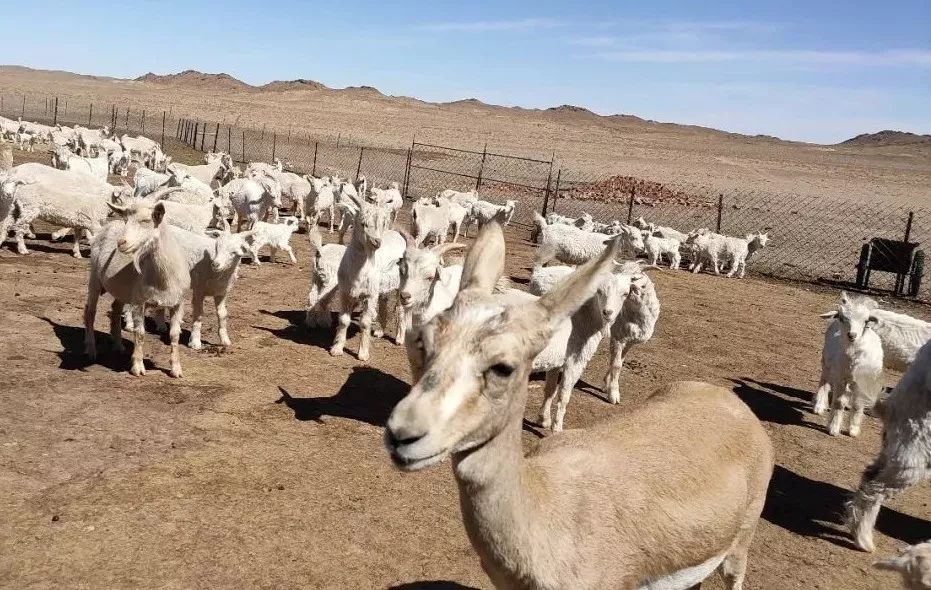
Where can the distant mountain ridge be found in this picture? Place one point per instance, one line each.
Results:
(887, 137)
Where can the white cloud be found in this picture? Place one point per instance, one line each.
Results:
(799, 57)
(527, 24)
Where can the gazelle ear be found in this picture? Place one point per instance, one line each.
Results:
(484, 264)
(577, 288)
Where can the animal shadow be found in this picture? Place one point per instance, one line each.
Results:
(297, 331)
(774, 403)
(72, 356)
(369, 395)
(813, 508)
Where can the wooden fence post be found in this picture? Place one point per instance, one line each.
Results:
(143, 121)
(630, 207)
(90, 114)
(274, 145)
(229, 140)
(164, 116)
(216, 135)
(313, 171)
(203, 135)
(55, 118)
(24, 106)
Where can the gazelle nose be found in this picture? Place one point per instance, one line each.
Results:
(401, 439)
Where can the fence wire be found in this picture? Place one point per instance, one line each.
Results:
(811, 239)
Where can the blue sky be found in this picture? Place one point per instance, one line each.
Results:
(814, 71)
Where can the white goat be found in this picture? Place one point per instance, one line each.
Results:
(324, 271)
(367, 272)
(430, 219)
(254, 199)
(427, 285)
(656, 247)
(276, 236)
(137, 261)
(66, 199)
(571, 245)
(484, 211)
(637, 501)
(390, 200)
(914, 565)
(715, 249)
(322, 197)
(194, 218)
(905, 457)
(901, 335)
(851, 363)
(97, 166)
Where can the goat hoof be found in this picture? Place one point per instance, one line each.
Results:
(225, 342)
(615, 398)
(336, 351)
(195, 345)
(854, 432)
(176, 372)
(363, 356)
(137, 370)
(378, 333)
(76, 255)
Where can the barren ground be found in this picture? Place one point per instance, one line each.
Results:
(264, 468)
(586, 145)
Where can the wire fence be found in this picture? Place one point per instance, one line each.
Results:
(811, 239)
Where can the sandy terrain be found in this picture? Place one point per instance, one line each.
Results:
(264, 468)
(586, 145)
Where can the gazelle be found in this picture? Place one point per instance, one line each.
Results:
(658, 496)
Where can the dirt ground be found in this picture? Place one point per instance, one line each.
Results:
(586, 145)
(264, 467)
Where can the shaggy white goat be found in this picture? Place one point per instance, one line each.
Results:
(430, 220)
(137, 261)
(851, 363)
(254, 199)
(914, 565)
(276, 236)
(462, 198)
(63, 198)
(390, 200)
(427, 285)
(194, 218)
(901, 335)
(655, 247)
(324, 269)
(905, 457)
(715, 249)
(571, 245)
(320, 199)
(97, 166)
(484, 211)
(367, 273)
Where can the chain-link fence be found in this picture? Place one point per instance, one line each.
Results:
(811, 238)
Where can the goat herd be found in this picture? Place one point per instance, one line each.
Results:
(628, 503)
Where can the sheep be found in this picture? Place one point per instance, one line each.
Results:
(637, 501)
(571, 245)
(64, 198)
(390, 200)
(136, 260)
(325, 261)
(367, 272)
(275, 235)
(430, 219)
(255, 199)
(655, 247)
(484, 211)
(427, 285)
(913, 563)
(851, 363)
(905, 456)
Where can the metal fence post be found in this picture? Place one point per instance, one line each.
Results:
(313, 171)
(630, 207)
(143, 121)
(243, 145)
(359, 166)
(556, 190)
(55, 119)
(481, 167)
(549, 179)
(338, 137)
(164, 116)
(229, 140)
(24, 107)
(203, 135)
(274, 144)
(216, 135)
(90, 114)
(196, 127)
(899, 277)
(407, 171)
(720, 210)
(178, 130)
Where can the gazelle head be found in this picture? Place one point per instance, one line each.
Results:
(471, 362)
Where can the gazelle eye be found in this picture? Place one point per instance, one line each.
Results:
(501, 369)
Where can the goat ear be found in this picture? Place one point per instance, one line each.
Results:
(484, 263)
(443, 249)
(828, 315)
(844, 298)
(577, 288)
(158, 213)
(121, 211)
